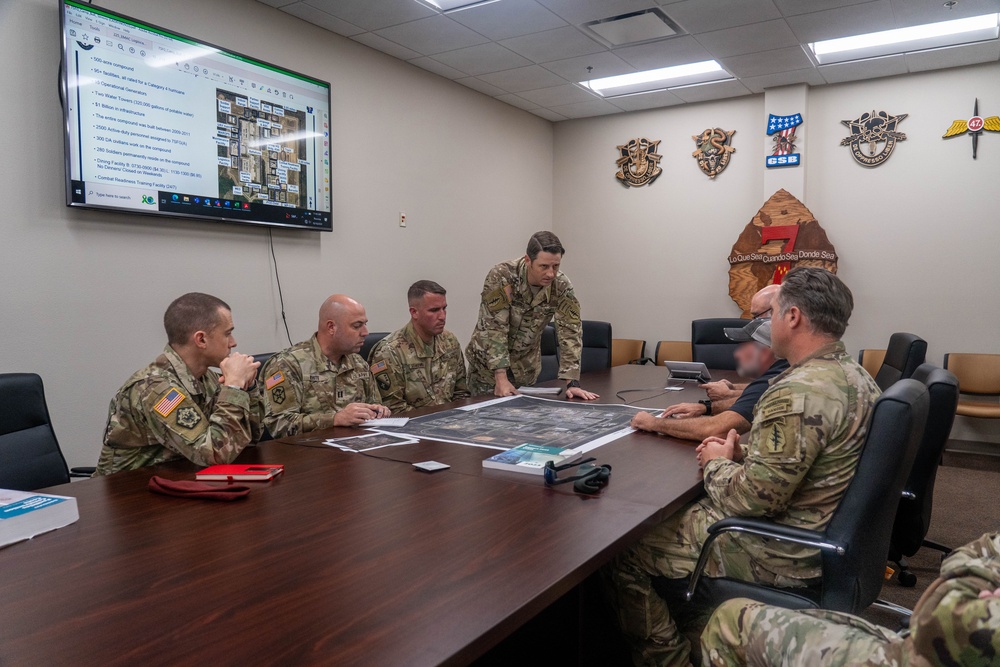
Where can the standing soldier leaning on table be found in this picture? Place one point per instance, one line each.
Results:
(520, 298)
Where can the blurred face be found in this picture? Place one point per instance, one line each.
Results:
(543, 269)
(219, 341)
(429, 315)
(352, 327)
(749, 359)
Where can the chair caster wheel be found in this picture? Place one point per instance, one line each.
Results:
(907, 579)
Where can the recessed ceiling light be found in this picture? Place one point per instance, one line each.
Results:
(448, 6)
(658, 79)
(902, 40)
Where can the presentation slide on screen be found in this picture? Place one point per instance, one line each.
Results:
(158, 122)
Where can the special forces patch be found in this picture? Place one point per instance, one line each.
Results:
(383, 381)
(188, 417)
(497, 300)
(278, 395)
(873, 136)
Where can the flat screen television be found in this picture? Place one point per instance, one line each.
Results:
(164, 124)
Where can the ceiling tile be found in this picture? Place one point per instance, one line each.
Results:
(385, 46)
(915, 12)
(711, 91)
(767, 62)
(432, 65)
(843, 22)
(517, 101)
(864, 69)
(662, 98)
(547, 114)
(793, 7)
(482, 59)
(587, 109)
(955, 56)
(510, 18)
(748, 38)
(432, 35)
(556, 95)
(481, 86)
(673, 51)
(581, 11)
(523, 78)
(575, 69)
(555, 44)
(697, 16)
(757, 84)
(374, 14)
(309, 13)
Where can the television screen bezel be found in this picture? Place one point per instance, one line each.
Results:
(64, 93)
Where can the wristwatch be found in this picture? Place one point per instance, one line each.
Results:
(708, 405)
(572, 383)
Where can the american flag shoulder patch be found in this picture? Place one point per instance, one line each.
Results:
(379, 367)
(169, 402)
(274, 380)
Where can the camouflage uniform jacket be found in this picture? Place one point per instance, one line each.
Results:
(303, 389)
(411, 374)
(163, 412)
(511, 320)
(804, 445)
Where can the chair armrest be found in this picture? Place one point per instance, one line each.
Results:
(85, 471)
(761, 528)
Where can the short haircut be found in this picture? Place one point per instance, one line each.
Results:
(544, 241)
(420, 288)
(192, 312)
(821, 296)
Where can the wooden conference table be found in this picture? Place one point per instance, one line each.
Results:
(345, 559)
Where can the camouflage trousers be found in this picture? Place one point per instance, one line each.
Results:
(744, 632)
(671, 550)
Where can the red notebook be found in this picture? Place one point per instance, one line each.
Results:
(240, 473)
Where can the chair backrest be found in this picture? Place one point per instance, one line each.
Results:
(863, 520)
(550, 355)
(263, 357)
(913, 518)
(596, 346)
(626, 350)
(370, 342)
(673, 350)
(709, 344)
(871, 360)
(976, 373)
(30, 457)
(905, 352)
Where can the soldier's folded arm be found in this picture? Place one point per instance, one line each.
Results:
(569, 335)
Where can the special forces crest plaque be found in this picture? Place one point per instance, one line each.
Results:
(638, 162)
(873, 137)
(715, 147)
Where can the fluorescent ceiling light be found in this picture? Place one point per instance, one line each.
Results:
(902, 40)
(658, 79)
(447, 6)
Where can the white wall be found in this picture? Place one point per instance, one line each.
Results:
(917, 237)
(84, 291)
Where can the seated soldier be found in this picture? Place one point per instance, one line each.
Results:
(420, 364)
(697, 421)
(177, 406)
(801, 454)
(956, 623)
(323, 382)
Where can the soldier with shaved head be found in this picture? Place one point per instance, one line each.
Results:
(323, 382)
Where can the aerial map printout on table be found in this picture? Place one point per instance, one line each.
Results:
(515, 420)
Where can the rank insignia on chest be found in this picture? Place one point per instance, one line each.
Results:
(168, 403)
(278, 395)
(274, 380)
(188, 417)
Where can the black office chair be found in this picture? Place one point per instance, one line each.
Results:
(370, 341)
(550, 355)
(853, 544)
(709, 344)
(905, 352)
(30, 457)
(596, 346)
(262, 358)
(913, 518)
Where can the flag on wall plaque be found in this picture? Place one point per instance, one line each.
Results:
(715, 147)
(873, 137)
(782, 128)
(638, 162)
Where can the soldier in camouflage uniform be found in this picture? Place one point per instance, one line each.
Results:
(421, 364)
(801, 454)
(323, 382)
(956, 623)
(177, 407)
(520, 298)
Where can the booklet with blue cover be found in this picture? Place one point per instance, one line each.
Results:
(25, 514)
(530, 458)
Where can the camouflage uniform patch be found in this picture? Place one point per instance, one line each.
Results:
(412, 375)
(188, 417)
(508, 333)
